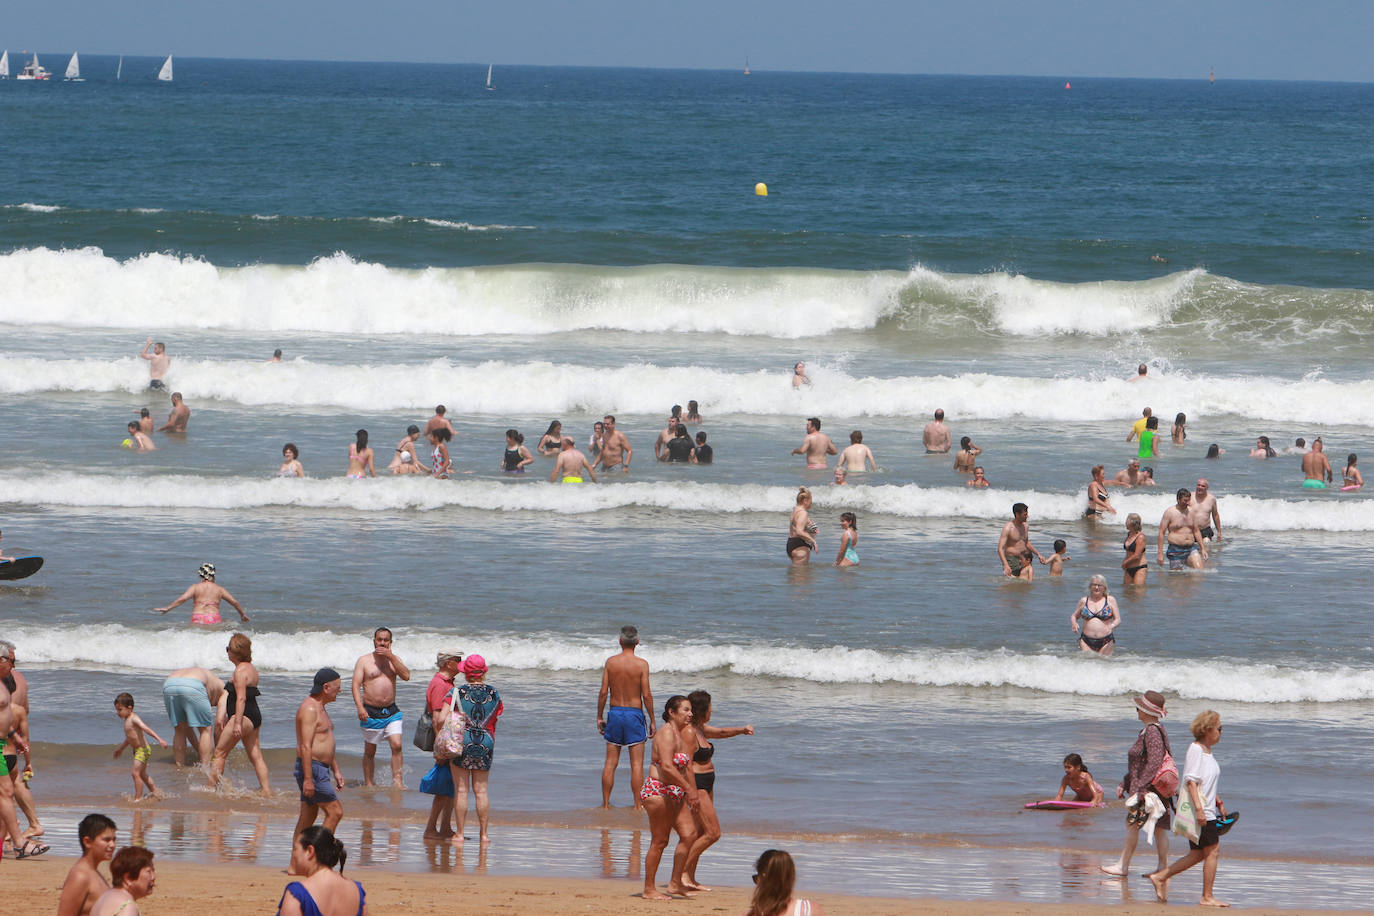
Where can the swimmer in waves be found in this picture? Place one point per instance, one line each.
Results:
(138, 439)
(801, 531)
(1351, 478)
(205, 596)
(570, 464)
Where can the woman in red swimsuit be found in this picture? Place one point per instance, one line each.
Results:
(663, 794)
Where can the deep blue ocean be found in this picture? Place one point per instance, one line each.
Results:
(577, 242)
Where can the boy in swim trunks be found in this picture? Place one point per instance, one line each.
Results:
(135, 737)
(1061, 553)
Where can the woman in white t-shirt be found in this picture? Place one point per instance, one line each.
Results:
(1200, 776)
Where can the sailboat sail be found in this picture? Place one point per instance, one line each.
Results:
(5, 65)
(489, 85)
(74, 68)
(165, 74)
(119, 69)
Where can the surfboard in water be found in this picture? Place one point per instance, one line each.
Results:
(1051, 804)
(20, 567)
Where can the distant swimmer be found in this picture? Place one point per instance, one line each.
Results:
(1262, 448)
(1204, 511)
(856, 455)
(979, 478)
(1316, 468)
(205, 597)
(693, 413)
(1014, 548)
(1159, 258)
(1149, 439)
(841, 478)
(145, 421)
(1180, 430)
(1098, 503)
(1139, 425)
(1179, 534)
(1129, 476)
(276, 356)
(935, 437)
(138, 439)
(967, 454)
(801, 531)
(360, 457)
(178, 418)
(849, 540)
(615, 450)
(404, 460)
(1215, 451)
(799, 376)
(1351, 478)
(1096, 618)
(158, 363)
(570, 465)
(516, 457)
(703, 453)
(440, 419)
(290, 461)
(1141, 373)
(551, 443)
(816, 446)
(1299, 447)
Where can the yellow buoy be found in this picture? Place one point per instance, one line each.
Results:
(761, 189)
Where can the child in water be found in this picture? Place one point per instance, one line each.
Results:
(1056, 560)
(135, 738)
(849, 537)
(978, 479)
(1079, 781)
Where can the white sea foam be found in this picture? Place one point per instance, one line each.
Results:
(389, 494)
(34, 208)
(301, 652)
(500, 388)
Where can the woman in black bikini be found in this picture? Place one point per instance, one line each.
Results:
(1135, 566)
(551, 443)
(1098, 502)
(801, 530)
(1100, 616)
(696, 737)
(242, 719)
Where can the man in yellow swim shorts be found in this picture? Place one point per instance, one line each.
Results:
(570, 464)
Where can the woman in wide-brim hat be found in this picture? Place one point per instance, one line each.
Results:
(1143, 762)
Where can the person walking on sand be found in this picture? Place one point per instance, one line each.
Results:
(158, 363)
(570, 465)
(439, 780)
(816, 446)
(630, 721)
(481, 706)
(697, 737)
(205, 597)
(18, 686)
(243, 719)
(178, 418)
(374, 696)
(9, 818)
(615, 448)
(84, 883)
(935, 437)
(1178, 532)
(1014, 547)
(191, 696)
(317, 770)
(664, 793)
(1201, 773)
(1142, 765)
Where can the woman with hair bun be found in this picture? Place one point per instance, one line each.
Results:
(801, 530)
(321, 891)
(775, 874)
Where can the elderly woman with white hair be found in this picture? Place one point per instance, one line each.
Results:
(1095, 617)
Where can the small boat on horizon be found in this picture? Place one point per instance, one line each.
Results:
(746, 66)
(165, 74)
(5, 65)
(33, 70)
(119, 69)
(74, 70)
(490, 87)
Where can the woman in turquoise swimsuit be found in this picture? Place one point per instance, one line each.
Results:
(849, 538)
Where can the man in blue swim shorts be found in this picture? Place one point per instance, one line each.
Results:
(630, 721)
(190, 695)
(1178, 532)
(315, 761)
(374, 694)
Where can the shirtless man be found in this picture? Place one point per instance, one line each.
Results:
(158, 361)
(1139, 425)
(1141, 372)
(1316, 469)
(138, 439)
(1129, 476)
(1014, 547)
(315, 756)
(1179, 532)
(816, 446)
(630, 723)
(439, 420)
(1299, 447)
(191, 696)
(570, 464)
(935, 437)
(9, 819)
(145, 421)
(1204, 512)
(400, 464)
(85, 883)
(178, 418)
(374, 694)
(666, 435)
(855, 455)
(799, 376)
(615, 448)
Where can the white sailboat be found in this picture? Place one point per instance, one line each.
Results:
(119, 69)
(74, 70)
(33, 70)
(490, 87)
(5, 66)
(165, 74)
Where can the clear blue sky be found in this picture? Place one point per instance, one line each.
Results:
(1243, 39)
